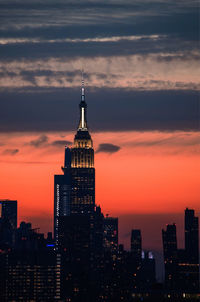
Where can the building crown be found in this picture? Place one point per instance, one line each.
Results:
(83, 109)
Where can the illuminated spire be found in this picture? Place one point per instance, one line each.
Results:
(83, 107)
(83, 88)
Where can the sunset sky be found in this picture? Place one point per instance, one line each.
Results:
(142, 69)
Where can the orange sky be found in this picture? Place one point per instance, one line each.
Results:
(153, 172)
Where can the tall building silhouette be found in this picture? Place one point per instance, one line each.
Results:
(74, 191)
(170, 256)
(29, 271)
(148, 270)
(191, 269)
(191, 236)
(110, 236)
(8, 222)
(136, 244)
(182, 265)
(8, 211)
(78, 223)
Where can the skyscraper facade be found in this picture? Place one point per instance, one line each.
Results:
(136, 244)
(191, 236)
(191, 267)
(110, 235)
(74, 190)
(136, 257)
(78, 223)
(8, 222)
(182, 265)
(8, 211)
(30, 271)
(170, 256)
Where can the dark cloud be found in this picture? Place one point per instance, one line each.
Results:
(55, 79)
(30, 75)
(75, 18)
(67, 50)
(10, 151)
(57, 21)
(50, 23)
(60, 143)
(107, 148)
(43, 141)
(108, 110)
(39, 142)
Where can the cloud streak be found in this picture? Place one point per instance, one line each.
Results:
(107, 148)
(79, 40)
(143, 72)
(60, 143)
(41, 141)
(10, 152)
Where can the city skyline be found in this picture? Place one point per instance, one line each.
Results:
(142, 86)
(130, 223)
(154, 143)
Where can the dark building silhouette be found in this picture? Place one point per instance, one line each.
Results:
(110, 235)
(191, 263)
(191, 237)
(148, 270)
(8, 211)
(74, 192)
(75, 248)
(136, 257)
(170, 256)
(78, 222)
(111, 268)
(98, 250)
(182, 265)
(136, 244)
(28, 239)
(8, 222)
(30, 271)
(30, 276)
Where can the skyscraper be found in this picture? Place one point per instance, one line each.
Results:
(8, 222)
(31, 268)
(136, 257)
(182, 265)
(78, 223)
(170, 256)
(191, 250)
(148, 270)
(74, 192)
(191, 236)
(111, 234)
(8, 211)
(136, 244)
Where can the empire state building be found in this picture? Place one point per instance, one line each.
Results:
(74, 190)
